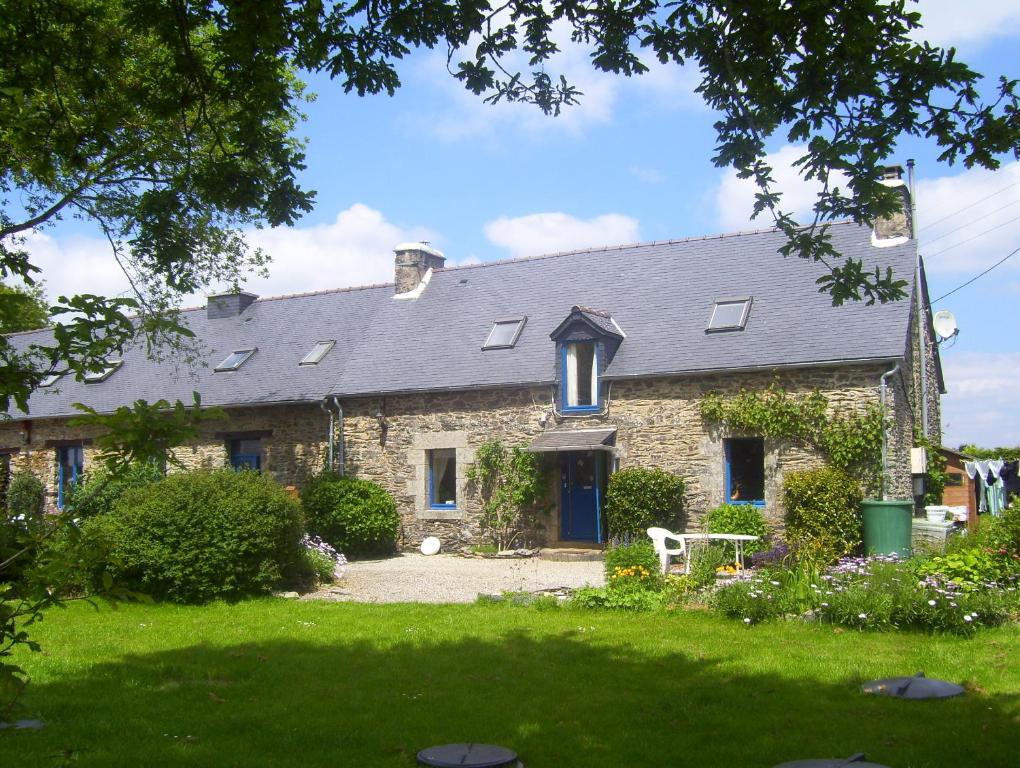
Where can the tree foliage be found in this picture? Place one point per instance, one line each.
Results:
(22, 309)
(145, 433)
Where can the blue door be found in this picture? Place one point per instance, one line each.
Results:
(581, 496)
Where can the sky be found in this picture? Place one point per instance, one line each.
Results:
(631, 163)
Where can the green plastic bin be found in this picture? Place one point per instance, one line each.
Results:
(887, 526)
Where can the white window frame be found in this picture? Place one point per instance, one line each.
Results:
(246, 356)
(319, 351)
(739, 326)
(571, 385)
(519, 321)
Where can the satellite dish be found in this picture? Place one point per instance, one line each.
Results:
(945, 324)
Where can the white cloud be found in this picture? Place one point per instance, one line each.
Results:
(948, 23)
(540, 233)
(76, 264)
(734, 197)
(962, 232)
(981, 406)
(647, 175)
(355, 249)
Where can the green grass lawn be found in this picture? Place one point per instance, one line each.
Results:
(278, 683)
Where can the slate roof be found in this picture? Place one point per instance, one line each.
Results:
(661, 294)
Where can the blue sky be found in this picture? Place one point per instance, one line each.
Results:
(632, 163)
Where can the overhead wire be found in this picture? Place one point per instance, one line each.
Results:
(968, 207)
(975, 237)
(974, 221)
(1003, 260)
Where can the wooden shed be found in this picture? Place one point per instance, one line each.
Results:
(960, 490)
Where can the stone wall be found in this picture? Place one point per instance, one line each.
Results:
(294, 443)
(388, 439)
(658, 424)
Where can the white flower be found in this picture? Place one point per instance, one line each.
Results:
(747, 621)
(931, 602)
(774, 583)
(967, 617)
(862, 615)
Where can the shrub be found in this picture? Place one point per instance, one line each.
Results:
(639, 555)
(99, 489)
(823, 517)
(22, 525)
(511, 486)
(358, 517)
(25, 497)
(638, 499)
(198, 536)
(627, 596)
(1003, 532)
(744, 519)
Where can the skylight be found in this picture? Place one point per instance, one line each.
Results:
(235, 359)
(50, 379)
(729, 314)
(318, 352)
(504, 333)
(111, 365)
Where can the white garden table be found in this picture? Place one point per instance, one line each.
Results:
(738, 540)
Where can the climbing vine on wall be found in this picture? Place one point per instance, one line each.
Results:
(511, 485)
(851, 442)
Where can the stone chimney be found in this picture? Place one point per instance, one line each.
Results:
(898, 223)
(223, 305)
(412, 262)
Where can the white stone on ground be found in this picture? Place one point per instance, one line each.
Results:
(417, 578)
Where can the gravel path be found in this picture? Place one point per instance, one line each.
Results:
(453, 579)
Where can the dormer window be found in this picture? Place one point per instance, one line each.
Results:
(504, 333)
(111, 365)
(580, 377)
(235, 359)
(319, 351)
(729, 314)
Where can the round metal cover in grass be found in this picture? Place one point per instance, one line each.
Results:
(916, 687)
(854, 761)
(464, 755)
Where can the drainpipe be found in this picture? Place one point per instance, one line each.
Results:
(340, 427)
(885, 429)
(329, 435)
(922, 325)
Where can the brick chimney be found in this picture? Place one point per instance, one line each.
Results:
(412, 262)
(898, 223)
(223, 305)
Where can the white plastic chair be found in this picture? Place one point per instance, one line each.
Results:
(658, 537)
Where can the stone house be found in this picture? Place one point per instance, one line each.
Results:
(598, 359)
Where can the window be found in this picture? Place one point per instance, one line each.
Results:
(729, 314)
(235, 359)
(954, 479)
(109, 367)
(319, 351)
(50, 379)
(580, 377)
(745, 471)
(70, 465)
(246, 453)
(504, 333)
(443, 478)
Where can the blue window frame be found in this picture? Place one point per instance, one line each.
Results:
(745, 471)
(70, 466)
(443, 478)
(580, 377)
(246, 454)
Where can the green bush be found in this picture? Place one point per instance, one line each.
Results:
(639, 498)
(199, 536)
(26, 496)
(704, 558)
(1003, 532)
(823, 513)
(22, 525)
(98, 490)
(627, 596)
(358, 517)
(640, 556)
(744, 519)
